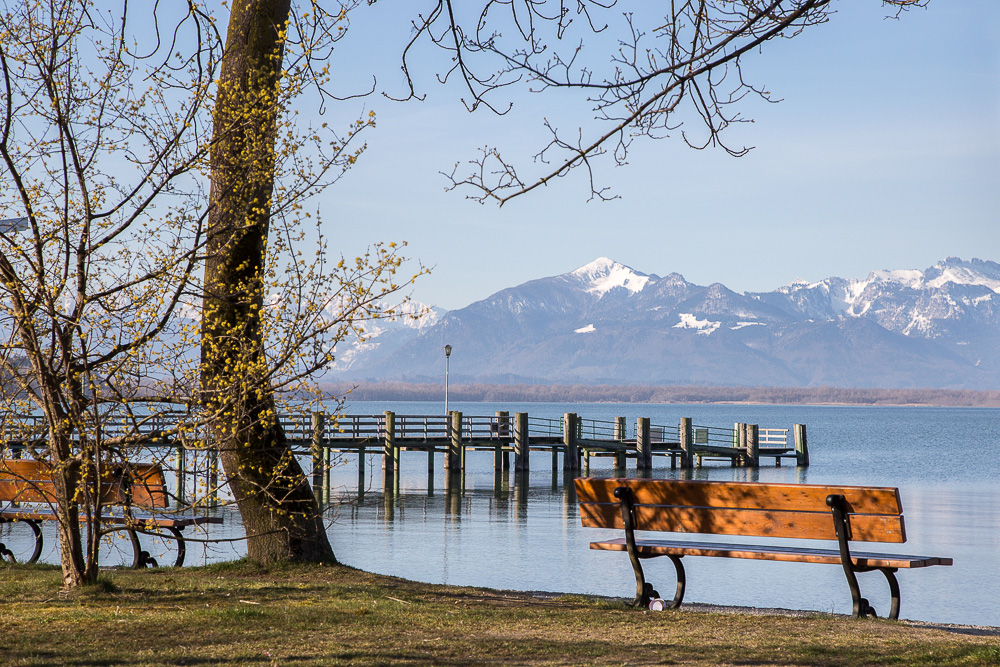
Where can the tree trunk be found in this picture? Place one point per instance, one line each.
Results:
(280, 514)
(67, 483)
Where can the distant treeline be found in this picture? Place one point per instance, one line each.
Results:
(403, 391)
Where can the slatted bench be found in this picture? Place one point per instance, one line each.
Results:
(846, 514)
(27, 496)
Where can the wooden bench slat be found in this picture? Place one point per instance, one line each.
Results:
(747, 495)
(749, 522)
(28, 481)
(150, 520)
(769, 552)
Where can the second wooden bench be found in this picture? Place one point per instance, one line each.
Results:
(134, 495)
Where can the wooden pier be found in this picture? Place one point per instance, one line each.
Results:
(570, 443)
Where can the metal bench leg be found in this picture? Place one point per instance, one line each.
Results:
(180, 545)
(36, 528)
(643, 591)
(140, 558)
(862, 608)
(681, 581)
(893, 591)
(144, 559)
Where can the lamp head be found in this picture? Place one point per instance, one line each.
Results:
(447, 350)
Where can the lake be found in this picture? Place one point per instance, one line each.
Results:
(945, 461)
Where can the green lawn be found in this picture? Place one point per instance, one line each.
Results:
(240, 614)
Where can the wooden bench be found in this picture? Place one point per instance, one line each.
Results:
(847, 514)
(27, 495)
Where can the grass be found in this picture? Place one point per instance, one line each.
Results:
(242, 614)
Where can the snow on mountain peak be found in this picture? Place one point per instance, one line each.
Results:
(961, 272)
(906, 277)
(604, 274)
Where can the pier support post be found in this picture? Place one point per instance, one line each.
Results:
(571, 457)
(361, 468)
(753, 450)
(521, 448)
(643, 446)
(741, 443)
(801, 448)
(687, 441)
(316, 449)
(502, 431)
(181, 466)
(213, 476)
(453, 455)
(389, 454)
(327, 455)
(621, 434)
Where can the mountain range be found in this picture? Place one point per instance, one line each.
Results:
(606, 323)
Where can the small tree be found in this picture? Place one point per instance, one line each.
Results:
(106, 147)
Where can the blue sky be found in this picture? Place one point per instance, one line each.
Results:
(883, 154)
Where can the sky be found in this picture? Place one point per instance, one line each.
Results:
(884, 153)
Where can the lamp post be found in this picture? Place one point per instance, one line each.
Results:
(447, 363)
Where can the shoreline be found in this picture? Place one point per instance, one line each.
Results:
(708, 608)
(386, 391)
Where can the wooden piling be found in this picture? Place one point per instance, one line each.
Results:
(801, 447)
(753, 449)
(621, 434)
(499, 431)
(361, 466)
(687, 441)
(521, 448)
(389, 445)
(643, 445)
(741, 444)
(213, 476)
(738, 437)
(316, 449)
(181, 465)
(453, 455)
(326, 475)
(571, 457)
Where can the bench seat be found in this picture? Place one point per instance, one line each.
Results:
(653, 548)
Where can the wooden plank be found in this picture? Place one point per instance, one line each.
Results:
(748, 522)
(26, 491)
(30, 481)
(746, 495)
(149, 486)
(141, 520)
(769, 552)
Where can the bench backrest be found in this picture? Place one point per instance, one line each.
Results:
(30, 481)
(743, 508)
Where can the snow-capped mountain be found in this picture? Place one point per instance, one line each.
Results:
(608, 323)
(384, 335)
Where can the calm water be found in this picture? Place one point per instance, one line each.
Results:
(945, 461)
